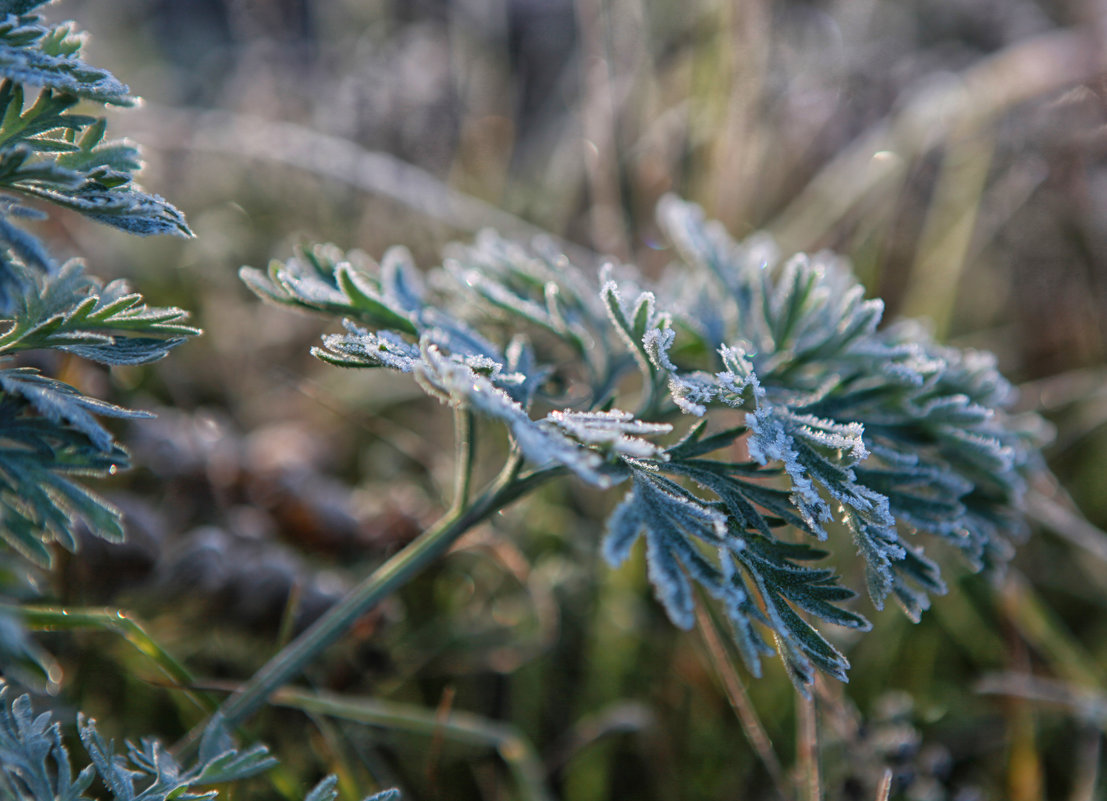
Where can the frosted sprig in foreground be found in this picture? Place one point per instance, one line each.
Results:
(35, 764)
(879, 429)
(54, 155)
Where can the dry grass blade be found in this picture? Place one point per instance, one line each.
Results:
(807, 749)
(1063, 520)
(1085, 771)
(337, 159)
(1040, 626)
(1087, 704)
(456, 726)
(884, 791)
(740, 700)
(1025, 70)
(600, 159)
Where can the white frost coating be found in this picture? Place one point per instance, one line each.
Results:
(657, 342)
(541, 444)
(847, 437)
(738, 377)
(384, 348)
(616, 432)
(769, 441)
(691, 391)
(311, 288)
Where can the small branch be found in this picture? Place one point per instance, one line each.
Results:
(464, 455)
(384, 581)
(740, 700)
(1084, 703)
(807, 748)
(884, 791)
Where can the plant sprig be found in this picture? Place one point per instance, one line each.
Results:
(53, 152)
(36, 765)
(879, 429)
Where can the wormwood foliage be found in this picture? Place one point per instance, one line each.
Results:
(769, 404)
(35, 764)
(51, 312)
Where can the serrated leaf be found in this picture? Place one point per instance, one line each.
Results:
(842, 421)
(325, 790)
(374, 309)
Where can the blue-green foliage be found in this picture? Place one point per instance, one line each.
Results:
(50, 435)
(879, 429)
(35, 765)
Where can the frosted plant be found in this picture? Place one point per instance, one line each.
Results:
(877, 429)
(36, 766)
(51, 153)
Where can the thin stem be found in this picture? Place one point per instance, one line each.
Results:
(601, 160)
(465, 453)
(884, 791)
(1086, 770)
(807, 748)
(385, 580)
(740, 700)
(457, 726)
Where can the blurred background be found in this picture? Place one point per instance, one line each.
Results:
(955, 150)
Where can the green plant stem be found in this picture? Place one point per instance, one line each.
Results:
(385, 580)
(465, 453)
(461, 727)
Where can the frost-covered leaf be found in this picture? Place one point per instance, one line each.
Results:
(327, 790)
(726, 545)
(323, 279)
(676, 526)
(219, 761)
(35, 764)
(34, 53)
(614, 432)
(810, 413)
(479, 384)
(61, 403)
(33, 758)
(111, 325)
(363, 348)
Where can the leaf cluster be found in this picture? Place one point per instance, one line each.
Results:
(53, 152)
(878, 428)
(35, 764)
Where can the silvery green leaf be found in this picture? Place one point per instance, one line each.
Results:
(810, 413)
(362, 348)
(325, 790)
(632, 319)
(691, 392)
(386, 795)
(474, 384)
(613, 432)
(61, 403)
(32, 53)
